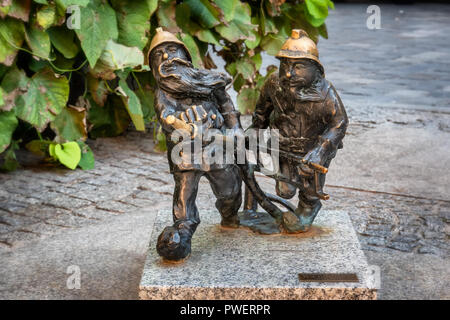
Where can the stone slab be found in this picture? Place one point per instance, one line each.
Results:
(240, 264)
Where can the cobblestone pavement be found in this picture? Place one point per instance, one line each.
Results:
(391, 175)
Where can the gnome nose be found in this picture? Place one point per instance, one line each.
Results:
(288, 75)
(165, 56)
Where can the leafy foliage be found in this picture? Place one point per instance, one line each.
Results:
(60, 85)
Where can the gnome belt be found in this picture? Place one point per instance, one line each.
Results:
(294, 144)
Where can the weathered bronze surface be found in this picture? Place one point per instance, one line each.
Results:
(191, 98)
(311, 119)
(298, 101)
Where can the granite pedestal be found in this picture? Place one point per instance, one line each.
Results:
(324, 263)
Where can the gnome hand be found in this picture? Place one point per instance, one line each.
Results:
(194, 114)
(200, 120)
(313, 156)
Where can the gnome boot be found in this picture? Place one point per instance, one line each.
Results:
(230, 222)
(174, 243)
(228, 209)
(307, 211)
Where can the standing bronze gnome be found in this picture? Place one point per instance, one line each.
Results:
(311, 119)
(196, 99)
(298, 102)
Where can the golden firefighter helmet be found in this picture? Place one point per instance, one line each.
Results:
(161, 37)
(300, 46)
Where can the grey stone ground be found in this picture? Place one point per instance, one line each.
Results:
(391, 175)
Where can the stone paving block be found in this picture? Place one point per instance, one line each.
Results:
(64, 201)
(93, 213)
(116, 207)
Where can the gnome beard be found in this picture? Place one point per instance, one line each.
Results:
(179, 77)
(297, 92)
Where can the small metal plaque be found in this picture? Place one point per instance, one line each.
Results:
(328, 277)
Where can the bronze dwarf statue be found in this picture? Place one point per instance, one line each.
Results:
(197, 98)
(298, 101)
(311, 119)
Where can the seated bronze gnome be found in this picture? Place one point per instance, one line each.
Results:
(197, 98)
(298, 102)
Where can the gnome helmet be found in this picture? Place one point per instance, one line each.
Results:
(162, 37)
(300, 46)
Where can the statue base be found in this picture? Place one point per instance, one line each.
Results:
(324, 263)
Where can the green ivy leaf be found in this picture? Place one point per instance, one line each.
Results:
(68, 154)
(145, 94)
(330, 4)
(190, 43)
(240, 27)
(13, 84)
(317, 8)
(67, 3)
(38, 40)
(117, 57)
(205, 13)
(246, 68)
(98, 25)
(64, 41)
(273, 7)
(45, 16)
(133, 105)
(5, 5)
(266, 23)
(147, 99)
(238, 83)
(51, 150)
(260, 80)
(14, 79)
(315, 22)
(167, 16)
(161, 145)
(133, 19)
(8, 123)
(252, 44)
(323, 31)
(20, 9)
(257, 60)
(10, 162)
(305, 24)
(98, 90)
(39, 147)
(152, 5)
(247, 100)
(231, 68)
(2, 101)
(272, 43)
(228, 8)
(70, 124)
(208, 36)
(61, 63)
(110, 120)
(87, 161)
(184, 21)
(44, 96)
(11, 32)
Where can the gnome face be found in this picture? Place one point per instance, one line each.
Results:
(175, 74)
(167, 51)
(297, 74)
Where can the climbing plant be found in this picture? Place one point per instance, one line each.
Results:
(73, 69)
